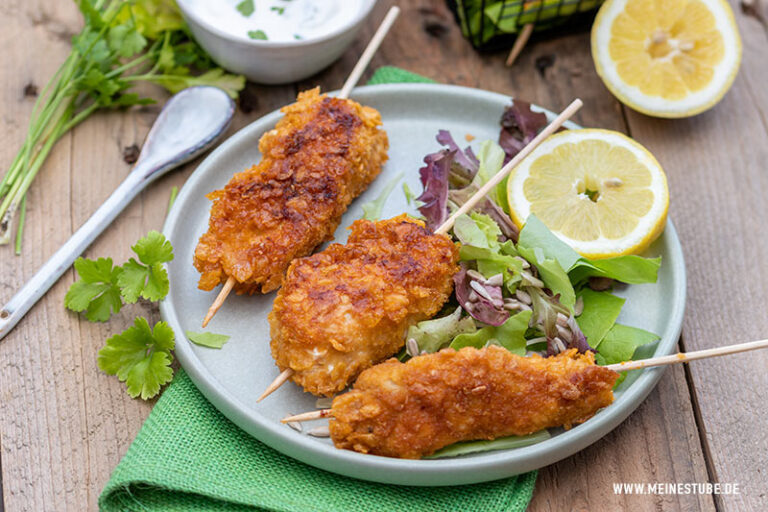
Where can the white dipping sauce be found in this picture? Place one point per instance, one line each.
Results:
(276, 20)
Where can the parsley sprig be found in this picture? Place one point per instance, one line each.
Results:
(102, 287)
(141, 357)
(123, 43)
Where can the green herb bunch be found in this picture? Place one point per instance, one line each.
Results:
(123, 43)
(140, 356)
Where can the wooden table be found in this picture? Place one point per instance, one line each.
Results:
(64, 425)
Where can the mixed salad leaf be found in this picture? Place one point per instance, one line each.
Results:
(524, 290)
(527, 290)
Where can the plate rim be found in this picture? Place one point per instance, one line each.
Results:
(478, 468)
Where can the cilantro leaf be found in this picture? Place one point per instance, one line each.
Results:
(96, 292)
(231, 84)
(207, 339)
(257, 34)
(125, 40)
(147, 278)
(246, 7)
(140, 357)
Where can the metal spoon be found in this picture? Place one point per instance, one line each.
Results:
(191, 121)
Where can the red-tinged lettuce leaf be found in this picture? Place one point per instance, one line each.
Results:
(519, 125)
(450, 167)
(465, 159)
(434, 178)
(482, 309)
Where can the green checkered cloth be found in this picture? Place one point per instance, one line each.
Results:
(188, 457)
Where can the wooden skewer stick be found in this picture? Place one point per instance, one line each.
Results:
(279, 381)
(220, 298)
(520, 42)
(354, 76)
(369, 51)
(308, 416)
(543, 134)
(682, 357)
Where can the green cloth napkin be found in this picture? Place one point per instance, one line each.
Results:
(188, 457)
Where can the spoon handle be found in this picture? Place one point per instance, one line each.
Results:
(62, 259)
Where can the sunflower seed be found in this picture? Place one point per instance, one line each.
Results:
(524, 262)
(495, 280)
(562, 320)
(474, 274)
(411, 347)
(469, 307)
(319, 432)
(473, 296)
(295, 425)
(512, 305)
(533, 341)
(578, 308)
(480, 290)
(559, 344)
(324, 402)
(565, 333)
(523, 296)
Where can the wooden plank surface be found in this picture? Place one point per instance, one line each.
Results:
(716, 165)
(64, 425)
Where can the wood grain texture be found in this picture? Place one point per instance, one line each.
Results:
(64, 425)
(716, 165)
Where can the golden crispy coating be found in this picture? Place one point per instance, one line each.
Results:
(349, 306)
(320, 156)
(413, 409)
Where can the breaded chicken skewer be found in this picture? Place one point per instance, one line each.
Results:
(411, 410)
(311, 354)
(344, 309)
(320, 156)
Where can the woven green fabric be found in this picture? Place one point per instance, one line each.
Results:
(188, 457)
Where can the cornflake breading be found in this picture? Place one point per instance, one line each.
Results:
(410, 410)
(349, 306)
(320, 156)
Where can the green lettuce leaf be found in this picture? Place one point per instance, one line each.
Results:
(478, 230)
(536, 235)
(372, 210)
(629, 269)
(432, 335)
(601, 309)
(207, 339)
(510, 335)
(503, 443)
(491, 158)
(620, 343)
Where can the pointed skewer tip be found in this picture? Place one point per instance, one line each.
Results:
(220, 298)
(308, 416)
(279, 381)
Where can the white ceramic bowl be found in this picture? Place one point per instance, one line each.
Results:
(272, 62)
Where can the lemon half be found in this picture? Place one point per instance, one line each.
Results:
(667, 58)
(599, 191)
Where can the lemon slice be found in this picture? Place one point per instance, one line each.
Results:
(599, 191)
(667, 58)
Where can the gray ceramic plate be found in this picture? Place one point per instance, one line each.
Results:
(233, 377)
